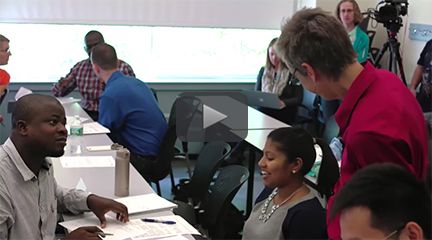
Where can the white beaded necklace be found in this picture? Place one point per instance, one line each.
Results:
(263, 216)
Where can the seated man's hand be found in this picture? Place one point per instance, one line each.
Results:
(100, 205)
(85, 233)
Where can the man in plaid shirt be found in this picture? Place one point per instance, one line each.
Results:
(83, 77)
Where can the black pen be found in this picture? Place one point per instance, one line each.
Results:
(157, 221)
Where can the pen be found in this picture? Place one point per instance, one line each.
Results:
(103, 234)
(157, 221)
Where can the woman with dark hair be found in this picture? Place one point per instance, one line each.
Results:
(348, 12)
(288, 208)
(275, 78)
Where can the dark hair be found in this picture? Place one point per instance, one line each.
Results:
(298, 143)
(105, 56)
(96, 34)
(392, 194)
(27, 106)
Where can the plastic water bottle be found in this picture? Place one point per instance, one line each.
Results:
(121, 185)
(75, 135)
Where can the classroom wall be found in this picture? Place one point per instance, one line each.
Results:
(418, 12)
(188, 13)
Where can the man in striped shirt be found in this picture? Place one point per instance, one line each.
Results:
(81, 76)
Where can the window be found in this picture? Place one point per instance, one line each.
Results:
(46, 52)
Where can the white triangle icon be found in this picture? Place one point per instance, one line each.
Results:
(211, 116)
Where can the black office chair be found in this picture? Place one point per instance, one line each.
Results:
(216, 214)
(308, 112)
(190, 104)
(2, 97)
(209, 160)
(165, 156)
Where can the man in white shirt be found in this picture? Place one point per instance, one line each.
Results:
(29, 194)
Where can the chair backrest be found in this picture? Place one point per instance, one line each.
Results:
(307, 108)
(188, 105)
(2, 97)
(221, 193)
(154, 94)
(208, 162)
(166, 155)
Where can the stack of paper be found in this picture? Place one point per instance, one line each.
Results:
(68, 100)
(94, 128)
(89, 128)
(136, 229)
(146, 203)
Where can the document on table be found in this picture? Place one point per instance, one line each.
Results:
(136, 229)
(94, 128)
(87, 161)
(69, 119)
(146, 203)
(22, 91)
(68, 100)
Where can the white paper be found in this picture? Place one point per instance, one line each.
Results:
(99, 148)
(22, 91)
(146, 203)
(68, 100)
(69, 119)
(81, 185)
(87, 161)
(94, 128)
(136, 229)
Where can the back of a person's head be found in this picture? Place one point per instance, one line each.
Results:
(392, 194)
(94, 34)
(317, 38)
(105, 56)
(28, 106)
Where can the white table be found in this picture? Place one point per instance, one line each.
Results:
(98, 180)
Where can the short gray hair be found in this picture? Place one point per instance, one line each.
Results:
(3, 38)
(314, 37)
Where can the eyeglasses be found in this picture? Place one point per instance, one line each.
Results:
(295, 70)
(6, 51)
(395, 232)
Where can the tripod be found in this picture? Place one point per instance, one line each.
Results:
(395, 59)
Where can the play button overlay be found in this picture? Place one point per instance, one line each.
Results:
(211, 116)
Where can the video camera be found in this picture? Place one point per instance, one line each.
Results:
(390, 13)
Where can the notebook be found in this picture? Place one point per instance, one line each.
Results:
(146, 203)
(262, 99)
